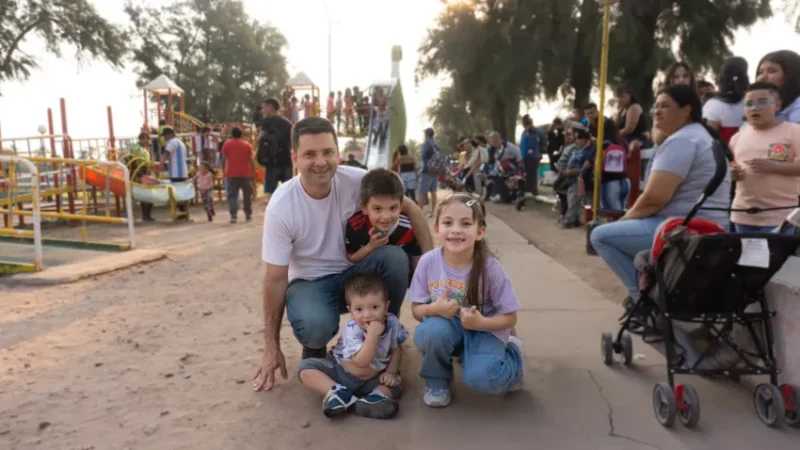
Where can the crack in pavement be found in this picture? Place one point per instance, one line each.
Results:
(611, 429)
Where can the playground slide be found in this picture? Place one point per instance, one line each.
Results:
(157, 194)
(379, 153)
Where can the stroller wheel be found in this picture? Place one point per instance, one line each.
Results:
(664, 404)
(769, 405)
(627, 348)
(791, 400)
(607, 348)
(688, 403)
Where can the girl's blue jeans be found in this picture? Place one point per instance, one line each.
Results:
(614, 194)
(489, 365)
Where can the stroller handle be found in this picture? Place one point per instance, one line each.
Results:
(721, 169)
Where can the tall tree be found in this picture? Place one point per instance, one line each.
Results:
(492, 50)
(648, 35)
(453, 116)
(224, 61)
(57, 22)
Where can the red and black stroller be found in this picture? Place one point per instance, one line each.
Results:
(698, 273)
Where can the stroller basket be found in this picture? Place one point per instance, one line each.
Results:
(701, 274)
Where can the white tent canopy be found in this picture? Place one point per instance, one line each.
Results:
(301, 79)
(163, 86)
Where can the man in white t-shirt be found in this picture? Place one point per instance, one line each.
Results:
(304, 248)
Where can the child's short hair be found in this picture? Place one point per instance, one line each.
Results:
(363, 284)
(381, 182)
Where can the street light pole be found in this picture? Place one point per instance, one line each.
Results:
(330, 45)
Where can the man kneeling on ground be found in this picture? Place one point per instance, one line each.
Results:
(304, 248)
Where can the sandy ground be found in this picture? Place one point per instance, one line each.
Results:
(160, 357)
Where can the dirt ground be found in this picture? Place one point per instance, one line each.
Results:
(160, 356)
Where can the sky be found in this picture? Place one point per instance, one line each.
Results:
(362, 32)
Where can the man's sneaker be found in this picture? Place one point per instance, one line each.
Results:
(436, 398)
(314, 352)
(233, 219)
(248, 219)
(337, 401)
(376, 406)
(517, 342)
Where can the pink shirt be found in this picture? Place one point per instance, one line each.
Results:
(204, 181)
(781, 144)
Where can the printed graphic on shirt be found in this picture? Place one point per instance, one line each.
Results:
(779, 152)
(458, 290)
(402, 235)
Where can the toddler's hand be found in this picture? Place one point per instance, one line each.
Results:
(445, 306)
(390, 379)
(375, 328)
(471, 318)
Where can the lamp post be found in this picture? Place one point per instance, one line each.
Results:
(601, 122)
(598, 169)
(330, 47)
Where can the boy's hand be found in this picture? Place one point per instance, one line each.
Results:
(761, 165)
(737, 171)
(377, 239)
(390, 379)
(375, 328)
(471, 318)
(445, 306)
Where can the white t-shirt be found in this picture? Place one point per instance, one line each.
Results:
(727, 114)
(177, 158)
(307, 234)
(477, 152)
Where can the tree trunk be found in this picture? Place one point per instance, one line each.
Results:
(582, 72)
(499, 118)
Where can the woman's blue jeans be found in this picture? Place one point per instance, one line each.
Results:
(614, 194)
(619, 242)
(489, 365)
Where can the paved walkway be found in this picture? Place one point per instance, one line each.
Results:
(160, 357)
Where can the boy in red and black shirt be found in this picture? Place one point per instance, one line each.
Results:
(379, 222)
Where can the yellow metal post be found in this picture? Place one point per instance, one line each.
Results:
(598, 159)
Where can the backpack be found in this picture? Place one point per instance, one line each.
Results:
(267, 152)
(437, 165)
(615, 159)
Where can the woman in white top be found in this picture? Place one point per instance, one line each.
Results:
(782, 68)
(725, 112)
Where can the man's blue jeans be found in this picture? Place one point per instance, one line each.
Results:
(619, 242)
(489, 365)
(313, 307)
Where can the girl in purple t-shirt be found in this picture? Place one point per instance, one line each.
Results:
(467, 308)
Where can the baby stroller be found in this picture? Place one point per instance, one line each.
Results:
(697, 273)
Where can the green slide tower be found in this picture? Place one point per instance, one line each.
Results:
(379, 151)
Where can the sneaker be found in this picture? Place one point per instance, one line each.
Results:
(248, 219)
(313, 352)
(233, 220)
(517, 342)
(375, 406)
(436, 398)
(337, 401)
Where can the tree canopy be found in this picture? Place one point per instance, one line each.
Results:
(452, 116)
(57, 22)
(499, 53)
(225, 61)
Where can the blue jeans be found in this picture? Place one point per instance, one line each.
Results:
(313, 306)
(489, 365)
(614, 194)
(753, 229)
(619, 242)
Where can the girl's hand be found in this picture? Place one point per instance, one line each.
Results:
(390, 379)
(471, 318)
(445, 306)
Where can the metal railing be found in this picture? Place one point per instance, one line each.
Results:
(9, 178)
